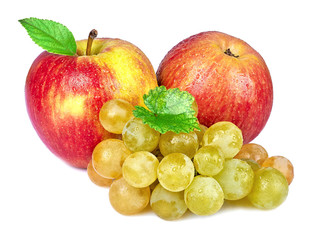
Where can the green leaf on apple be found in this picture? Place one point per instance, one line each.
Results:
(51, 36)
(168, 110)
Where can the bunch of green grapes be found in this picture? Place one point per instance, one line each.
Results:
(175, 172)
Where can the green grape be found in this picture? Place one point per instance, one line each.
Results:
(226, 136)
(114, 114)
(172, 142)
(209, 161)
(175, 172)
(108, 157)
(270, 188)
(138, 136)
(140, 168)
(236, 179)
(166, 204)
(126, 199)
(204, 196)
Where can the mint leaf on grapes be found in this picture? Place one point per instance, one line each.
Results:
(168, 110)
(51, 36)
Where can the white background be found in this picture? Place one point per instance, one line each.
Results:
(44, 198)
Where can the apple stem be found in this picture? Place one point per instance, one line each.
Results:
(229, 53)
(92, 35)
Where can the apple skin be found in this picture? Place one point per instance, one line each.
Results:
(235, 87)
(65, 93)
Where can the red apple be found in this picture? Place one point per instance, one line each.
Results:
(228, 78)
(65, 93)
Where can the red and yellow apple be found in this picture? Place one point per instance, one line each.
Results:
(228, 78)
(65, 93)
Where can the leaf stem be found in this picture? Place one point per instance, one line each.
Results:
(92, 35)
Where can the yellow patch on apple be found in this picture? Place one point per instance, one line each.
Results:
(73, 106)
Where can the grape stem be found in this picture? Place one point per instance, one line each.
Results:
(92, 35)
